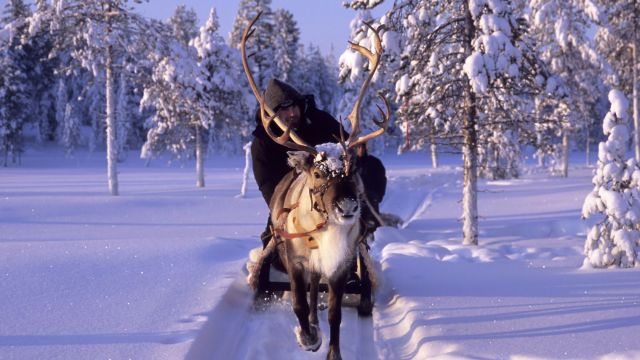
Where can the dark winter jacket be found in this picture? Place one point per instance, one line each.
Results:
(317, 127)
(374, 177)
(270, 159)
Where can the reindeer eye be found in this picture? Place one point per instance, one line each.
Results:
(316, 175)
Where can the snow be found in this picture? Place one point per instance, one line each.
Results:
(158, 272)
(329, 158)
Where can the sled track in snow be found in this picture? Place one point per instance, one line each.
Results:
(423, 206)
(234, 330)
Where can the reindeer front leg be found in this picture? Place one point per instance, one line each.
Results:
(306, 334)
(336, 291)
(314, 281)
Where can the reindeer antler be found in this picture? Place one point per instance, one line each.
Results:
(267, 114)
(354, 117)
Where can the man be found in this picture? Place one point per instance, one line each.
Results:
(316, 127)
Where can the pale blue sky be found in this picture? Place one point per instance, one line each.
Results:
(321, 22)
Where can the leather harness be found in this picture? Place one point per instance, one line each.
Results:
(280, 224)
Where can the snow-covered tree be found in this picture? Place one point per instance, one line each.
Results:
(170, 94)
(615, 239)
(70, 137)
(100, 32)
(184, 24)
(315, 76)
(263, 62)
(67, 121)
(223, 93)
(417, 79)
(195, 91)
(175, 125)
(14, 92)
(465, 65)
(285, 40)
(618, 40)
(354, 69)
(362, 4)
(123, 123)
(562, 33)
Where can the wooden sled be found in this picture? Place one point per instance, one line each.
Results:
(270, 284)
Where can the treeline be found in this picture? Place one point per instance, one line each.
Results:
(489, 78)
(96, 74)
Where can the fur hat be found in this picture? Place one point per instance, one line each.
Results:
(279, 93)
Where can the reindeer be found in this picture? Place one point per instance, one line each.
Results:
(315, 209)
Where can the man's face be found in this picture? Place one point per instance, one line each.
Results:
(290, 115)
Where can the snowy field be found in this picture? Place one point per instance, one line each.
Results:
(158, 272)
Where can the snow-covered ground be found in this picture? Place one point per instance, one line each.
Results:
(158, 272)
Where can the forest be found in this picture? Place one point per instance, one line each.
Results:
(488, 79)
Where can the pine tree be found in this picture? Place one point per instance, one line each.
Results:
(618, 40)
(316, 77)
(562, 33)
(40, 68)
(100, 32)
(354, 69)
(222, 98)
(263, 59)
(467, 65)
(184, 24)
(615, 239)
(14, 92)
(424, 81)
(70, 138)
(123, 123)
(170, 94)
(285, 40)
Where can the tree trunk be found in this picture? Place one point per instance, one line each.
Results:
(112, 161)
(247, 168)
(588, 146)
(199, 158)
(434, 155)
(470, 187)
(565, 154)
(636, 119)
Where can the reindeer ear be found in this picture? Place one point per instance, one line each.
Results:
(300, 160)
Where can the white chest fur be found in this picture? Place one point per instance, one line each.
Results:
(336, 246)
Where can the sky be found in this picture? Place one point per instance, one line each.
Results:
(324, 23)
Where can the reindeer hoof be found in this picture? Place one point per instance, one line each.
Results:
(333, 354)
(309, 342)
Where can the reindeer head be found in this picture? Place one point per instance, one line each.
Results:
(334, 190)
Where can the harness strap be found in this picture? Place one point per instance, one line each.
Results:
(288, 235)
(280, 232)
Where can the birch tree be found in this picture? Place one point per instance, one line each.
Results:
(476, 67)
(105, 29)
